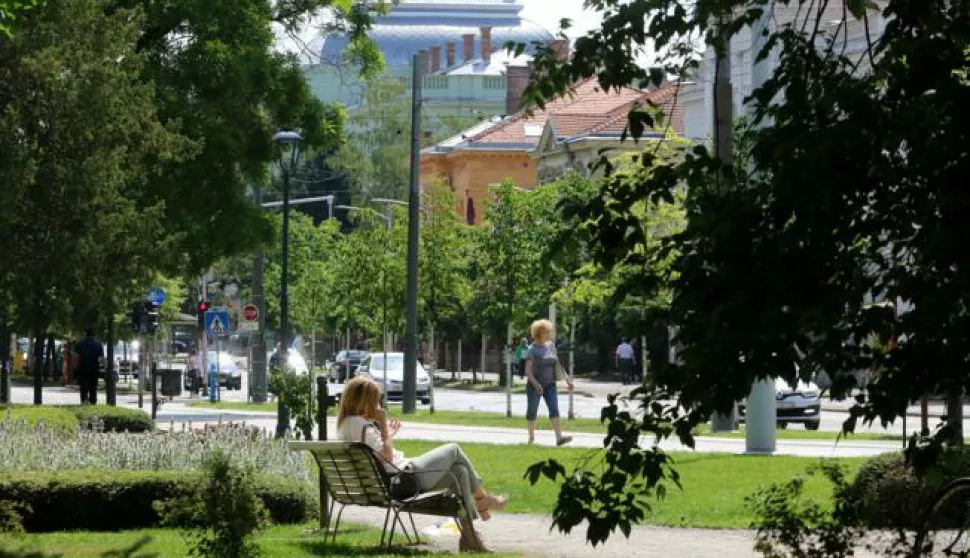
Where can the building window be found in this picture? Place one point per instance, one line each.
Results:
(493, 82)
(436, 82)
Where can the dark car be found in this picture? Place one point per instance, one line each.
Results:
(345, 365)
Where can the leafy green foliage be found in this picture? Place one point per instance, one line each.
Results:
(791, 526)
(295, 391)
(847, 193)
(11, 517)
(113, 419)
(113, 500)
(57, 419)
(224, 509)
(10, 10)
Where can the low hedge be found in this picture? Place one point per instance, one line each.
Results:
(115, 419)
(69, 417)
(888, 494)
(107, 500)
(57, 418)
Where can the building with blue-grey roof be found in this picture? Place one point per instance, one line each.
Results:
(461, 44)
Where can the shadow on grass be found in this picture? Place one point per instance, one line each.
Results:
(363, 545)
(26, 554)
(133, 550)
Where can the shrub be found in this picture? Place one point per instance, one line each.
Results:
(11, 517)
(25, 448)
(58, 419)
(888, 492)
(114, 419)
(111, 500)
(223, 509)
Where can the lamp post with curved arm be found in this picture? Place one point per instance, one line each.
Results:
(289, 145)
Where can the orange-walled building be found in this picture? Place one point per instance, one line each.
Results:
(506, 148)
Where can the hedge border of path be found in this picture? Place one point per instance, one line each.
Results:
(68, 418)
(111, 500)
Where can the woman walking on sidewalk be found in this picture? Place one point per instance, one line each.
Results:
(541, 366)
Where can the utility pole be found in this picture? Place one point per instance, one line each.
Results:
(257, 363)
(408, 402)
(760, 430)
(724, 151)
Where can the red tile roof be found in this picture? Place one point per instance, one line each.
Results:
(588, 109)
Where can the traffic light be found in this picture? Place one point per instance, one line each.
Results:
(202, 308)
(150, 317)
(136, 316)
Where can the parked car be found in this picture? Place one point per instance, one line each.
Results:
(373, 366)
(230, 376)
(345, 365)
(127, 357)
(802, 404)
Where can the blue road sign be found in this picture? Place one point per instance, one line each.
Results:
(156, 295)
(217, 321)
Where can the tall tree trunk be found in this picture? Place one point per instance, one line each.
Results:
(110, 391)
(49, 356)
(38, 365)
(4, 361)
(954, 414)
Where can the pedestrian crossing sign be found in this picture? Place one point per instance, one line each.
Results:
(217, 321)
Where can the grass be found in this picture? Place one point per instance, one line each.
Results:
(275, 542)
(587, 425)
(715, 485)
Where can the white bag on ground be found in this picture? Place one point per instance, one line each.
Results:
(442, 528)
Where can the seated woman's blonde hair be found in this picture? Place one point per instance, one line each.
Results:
(541, 328)
(361, 396)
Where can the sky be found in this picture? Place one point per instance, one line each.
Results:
(548, 13)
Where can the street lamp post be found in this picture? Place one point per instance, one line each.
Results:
(289, 144)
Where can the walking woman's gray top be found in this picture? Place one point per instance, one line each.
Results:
(544, 361)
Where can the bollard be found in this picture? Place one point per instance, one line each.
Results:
(154, 369)
(213, 383)
(324, 402)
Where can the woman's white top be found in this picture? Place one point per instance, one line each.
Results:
(356, 428)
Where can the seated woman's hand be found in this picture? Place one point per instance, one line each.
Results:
(393, 426)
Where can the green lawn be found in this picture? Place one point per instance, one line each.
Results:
(475, 418)
(276, 542)
(715, 485)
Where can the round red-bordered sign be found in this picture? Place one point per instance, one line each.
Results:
(250, 313)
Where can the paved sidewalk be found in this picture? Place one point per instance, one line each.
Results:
(531, 535)
(175, 415)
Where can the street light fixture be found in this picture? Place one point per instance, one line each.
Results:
(388, 222)
(289, 145)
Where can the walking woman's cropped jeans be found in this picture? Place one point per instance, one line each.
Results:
(549, 394)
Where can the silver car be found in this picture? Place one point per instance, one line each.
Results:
(801, 404)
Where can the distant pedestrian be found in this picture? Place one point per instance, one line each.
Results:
(195, 372)
(88, 358)
(625, 361)
(541, 366)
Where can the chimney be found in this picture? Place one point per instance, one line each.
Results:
(423, 63)
(469, 40)
(486, 44)
(561, 49)
(516, 79)
(450, 54)
(435, 58)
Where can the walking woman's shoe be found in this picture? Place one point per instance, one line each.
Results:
(563, 440)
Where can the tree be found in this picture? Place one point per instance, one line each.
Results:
(217, 78)
(10, 10)
(444, 284)
(852, 193)
(79, 136)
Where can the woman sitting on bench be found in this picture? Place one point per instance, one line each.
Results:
(361, 419)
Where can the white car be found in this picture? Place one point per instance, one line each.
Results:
(374, 366)
(801, 404)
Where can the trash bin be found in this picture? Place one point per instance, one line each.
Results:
(171, 382)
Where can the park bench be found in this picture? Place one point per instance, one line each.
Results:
(353, 475)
